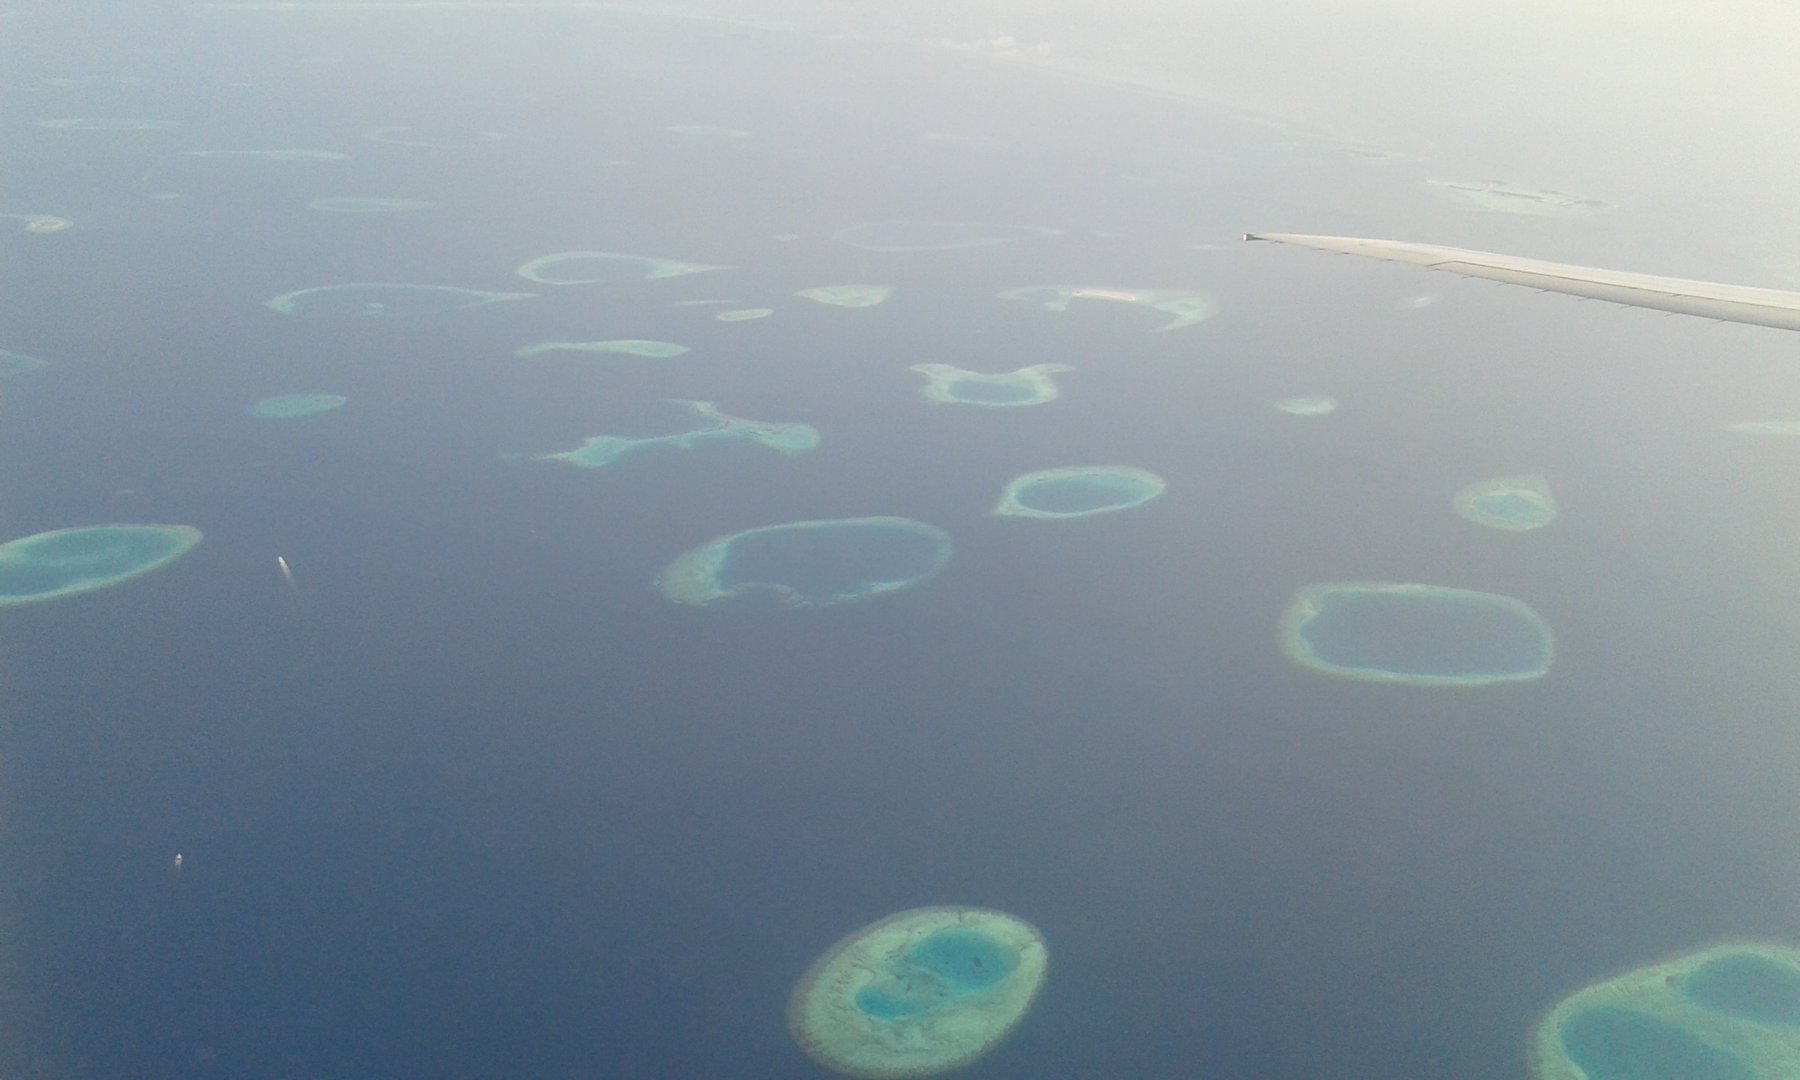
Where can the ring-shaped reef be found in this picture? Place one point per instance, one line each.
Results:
(381, 299)
(296, 406)
(918, 993)
(808, 564)
(1307, 405)
(1078, 491)
(13, 363)
(1185, 306)
(935, 235)
(106, 123)
(655, 350)
(39, 223)
(605, 267)
(850, 296)
(1418, 635)
(599, 451)
(950, 385)
(368, 204)
(1514, 503)
(270, 155)
(66, 562)
(1729, 1012)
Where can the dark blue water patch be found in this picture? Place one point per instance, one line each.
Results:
(968, 960)
(1611, 1043)
(881, 1005)
(1748, 987)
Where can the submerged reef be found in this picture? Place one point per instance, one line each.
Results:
(599, 451)
(949, 385)
(1508, 198)
(39, 223)
(1515, 503)
(65, 562)
(603, 267)
(1730, 1012)
(744, 314)
(850, 296)
(1187, 307)
(1420, 635)
(382, 298)
(934, 235)
(13, 363)
(806, 564)
(295, 406)
(357, 204)
(919, 993)
(657, 350)
(1308, 405)
(1078, 491)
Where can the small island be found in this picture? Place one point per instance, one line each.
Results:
(599, 451)
(949, 385)
(1514, 503)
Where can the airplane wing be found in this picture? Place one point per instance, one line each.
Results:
(1729, 303)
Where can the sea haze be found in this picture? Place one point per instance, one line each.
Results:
(473, 800)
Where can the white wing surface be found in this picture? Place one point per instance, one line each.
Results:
(1710, 299)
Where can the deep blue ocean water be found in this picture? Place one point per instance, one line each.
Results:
(473, 800)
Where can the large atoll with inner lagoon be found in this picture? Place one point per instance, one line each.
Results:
(1421, 635)
(1078, 491)
(67, 562)
(808, 564)
(919, 993)
(1728, 1012)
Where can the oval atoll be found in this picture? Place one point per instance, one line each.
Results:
(39, 223)
(599, 451)
(1514, 503)
(654, 350)
(1422, 635)
(1729, 1012)
(1184, 305)
(805, 564)
(934, 235)
(295, 406)
(850, 296)
(949, 385)
(381, 299)
(919, 993)
(1307, 405)
(1078, 491)
(605, 267)
(66, 562)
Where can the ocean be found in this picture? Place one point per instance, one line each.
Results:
(471, 799)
